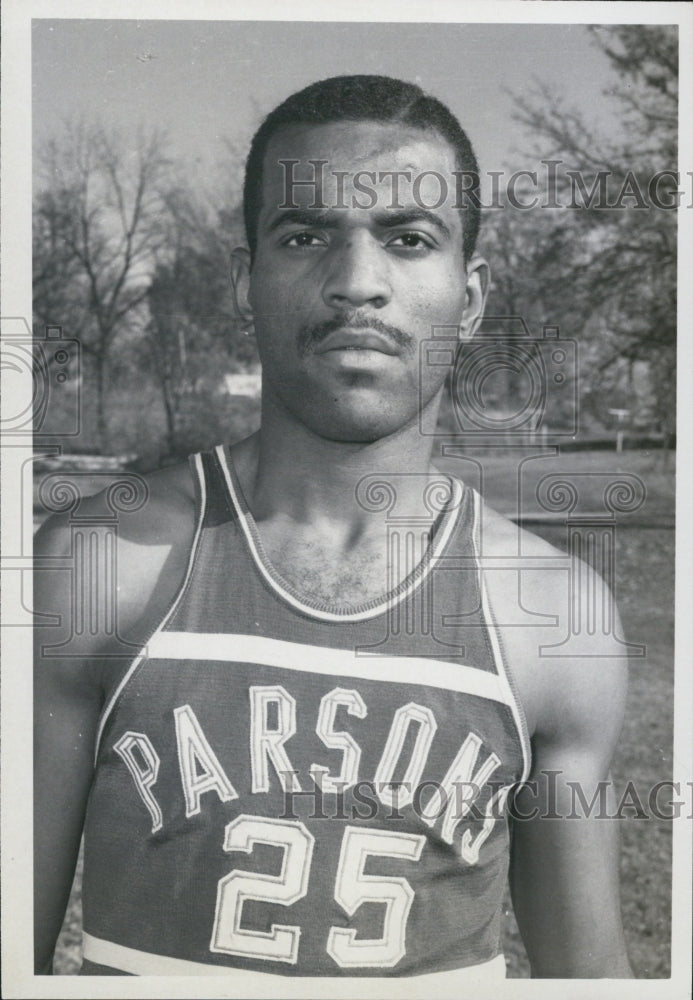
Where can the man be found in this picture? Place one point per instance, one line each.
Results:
(306, 769)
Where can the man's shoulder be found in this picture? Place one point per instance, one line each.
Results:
(169, 509)
(546, 603)
(153, 541)
(503, 543)
(502, 538)
(165, 504)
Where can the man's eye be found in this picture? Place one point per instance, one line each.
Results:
(415, 241)
(302, 240)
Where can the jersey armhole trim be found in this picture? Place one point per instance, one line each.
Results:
(197, 469)
(502, 665)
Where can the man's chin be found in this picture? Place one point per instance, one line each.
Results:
(348, 416)
(357, 429)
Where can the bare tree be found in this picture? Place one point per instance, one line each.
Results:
(99, 230)
(607, 266)
(194, 334)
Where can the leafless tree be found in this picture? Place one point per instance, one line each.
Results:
(609, 269)
(100, 227)
(194, 334)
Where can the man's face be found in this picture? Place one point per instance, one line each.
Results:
(342, 296)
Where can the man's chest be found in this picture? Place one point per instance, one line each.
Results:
(328, 574)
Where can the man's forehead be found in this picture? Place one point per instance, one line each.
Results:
(359, 141)
(352, 153)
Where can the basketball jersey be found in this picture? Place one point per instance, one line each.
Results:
(287, 788)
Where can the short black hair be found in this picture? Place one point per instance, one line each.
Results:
(363, 98)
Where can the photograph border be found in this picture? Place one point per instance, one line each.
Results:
(16, 773)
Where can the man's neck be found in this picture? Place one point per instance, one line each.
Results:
(347, 489)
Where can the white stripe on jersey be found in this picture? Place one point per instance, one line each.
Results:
(229, 647)
(257, 985)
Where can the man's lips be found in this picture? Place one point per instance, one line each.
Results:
(356, 340)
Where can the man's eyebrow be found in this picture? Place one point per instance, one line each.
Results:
(302, 217)
(330, 219)
(391, 220)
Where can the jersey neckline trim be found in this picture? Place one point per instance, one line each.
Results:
(441, 534)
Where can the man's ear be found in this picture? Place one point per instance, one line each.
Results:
(240, 280)
(478, 279)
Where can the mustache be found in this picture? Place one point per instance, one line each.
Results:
(309, 336)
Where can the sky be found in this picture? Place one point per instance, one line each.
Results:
(209, 83)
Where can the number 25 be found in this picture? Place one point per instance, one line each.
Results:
(352, 889)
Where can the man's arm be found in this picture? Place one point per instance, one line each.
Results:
(69, 691)
(67, 701)
(564, 871)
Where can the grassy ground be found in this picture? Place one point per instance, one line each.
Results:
(645, 593)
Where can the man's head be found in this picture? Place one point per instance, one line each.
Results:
(347, 280)
(364, 98)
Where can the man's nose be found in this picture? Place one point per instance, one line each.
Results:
(358, 275)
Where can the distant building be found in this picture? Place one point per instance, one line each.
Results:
(242, 384)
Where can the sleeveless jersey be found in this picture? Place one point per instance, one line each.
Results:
(286, 788)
